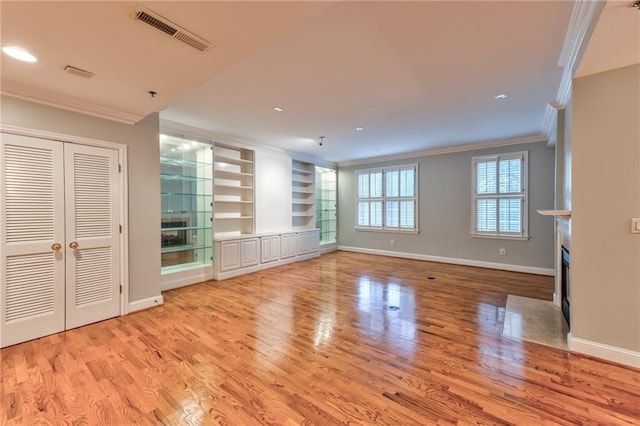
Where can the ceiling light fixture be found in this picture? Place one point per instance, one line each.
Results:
(359, 129)
(500, 96)
(636, 4)
(321, 141)
(277, 108)
(19, 53)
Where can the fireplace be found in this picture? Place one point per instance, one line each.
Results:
(565, 287)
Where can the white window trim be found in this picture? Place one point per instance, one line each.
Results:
(524, 235)
(415, 197)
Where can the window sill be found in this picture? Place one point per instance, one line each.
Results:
(395, 231)
(501, 237)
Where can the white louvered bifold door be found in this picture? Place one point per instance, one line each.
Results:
(32, 266)
(92, 211)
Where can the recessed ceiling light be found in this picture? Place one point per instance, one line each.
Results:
(500, 96)
(278, 109)
(19, 54)
(359, 129)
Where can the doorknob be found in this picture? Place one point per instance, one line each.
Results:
(73, 245)
(56, 246)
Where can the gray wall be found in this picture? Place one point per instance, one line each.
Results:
(144, 178)
(445, 211)
(605, 255)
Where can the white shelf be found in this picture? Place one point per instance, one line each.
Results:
(234, 202)
(559, 213)
(302, 214)
(303, 171)
(233, 186)
(232, 217)
(230, 160)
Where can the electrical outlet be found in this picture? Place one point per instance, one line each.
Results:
(393, 242)
(503, 252)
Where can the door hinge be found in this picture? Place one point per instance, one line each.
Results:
(119, 168)
(120, 288)
(120, 226)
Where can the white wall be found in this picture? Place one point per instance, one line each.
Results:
(272, 191)
(605, 255)
(144, 178)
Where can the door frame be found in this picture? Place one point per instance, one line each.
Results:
(123, 179)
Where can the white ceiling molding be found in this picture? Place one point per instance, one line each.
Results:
(448, 150)
(67, 103)
(184, 130)
(583, 20)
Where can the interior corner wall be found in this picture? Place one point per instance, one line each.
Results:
(605, 255)
(445, 211)
(144, 181)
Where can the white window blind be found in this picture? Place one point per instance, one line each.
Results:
(387, 198)
(500, 195)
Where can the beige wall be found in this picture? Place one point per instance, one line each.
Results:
(445, 211)
(144, 178)
(605, 255)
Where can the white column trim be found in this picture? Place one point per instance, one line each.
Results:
(583, 20)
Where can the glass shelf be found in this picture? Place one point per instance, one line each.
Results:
(182, 162)
(174, 249)
(185, 228)
(190, 194)
(183, 178)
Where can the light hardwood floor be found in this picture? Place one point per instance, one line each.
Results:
(315, 343)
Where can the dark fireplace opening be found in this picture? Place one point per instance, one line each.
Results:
(565, 288)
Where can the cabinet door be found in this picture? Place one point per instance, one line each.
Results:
(308, 242)
(250, 252)
(265, 243)
(229, 255)
(92, 212)
(32, 256)
(275, 247)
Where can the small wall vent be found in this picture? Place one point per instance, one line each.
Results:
(78, 72)
(162, 24)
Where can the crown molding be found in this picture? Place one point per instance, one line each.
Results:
(448, 150)
(583, 20)
(71, 104)
(188, 131)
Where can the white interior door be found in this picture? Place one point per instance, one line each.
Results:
(92, 234)
(32, 264)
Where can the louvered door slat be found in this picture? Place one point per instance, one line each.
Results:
(32, 214)
(92, 210)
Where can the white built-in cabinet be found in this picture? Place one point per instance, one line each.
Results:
(60, 236)
(233, 191)
(235, 256)
(270, 248)
(303, 195)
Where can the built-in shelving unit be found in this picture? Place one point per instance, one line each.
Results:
(303, 195)
(233, 189)
(186, 195)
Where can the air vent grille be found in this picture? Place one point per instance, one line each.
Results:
(78, 72)
(158, 22)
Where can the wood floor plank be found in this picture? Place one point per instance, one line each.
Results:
(316, 343)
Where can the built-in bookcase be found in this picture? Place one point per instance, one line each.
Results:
(303, 195)
(233, 191)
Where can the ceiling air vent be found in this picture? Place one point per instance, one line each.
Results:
(78, 72)
(158, 22)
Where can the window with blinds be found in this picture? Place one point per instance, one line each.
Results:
(500, 195)
(387, 198)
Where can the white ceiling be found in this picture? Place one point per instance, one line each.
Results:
(415, 75)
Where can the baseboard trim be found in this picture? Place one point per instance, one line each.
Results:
(601, 350)
(453, 260)
(328, 248)
(150, 302)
